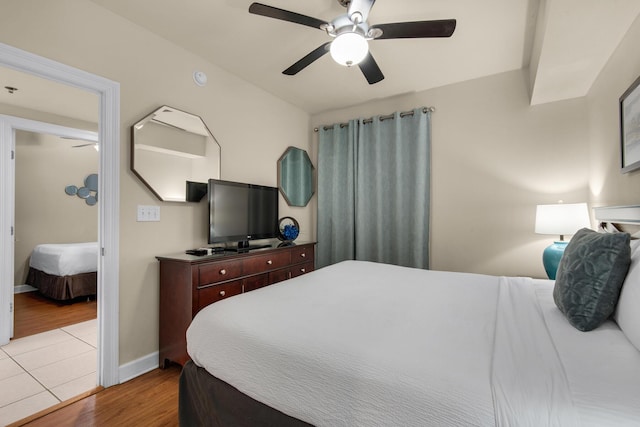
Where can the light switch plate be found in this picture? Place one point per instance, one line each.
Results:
(148, 213)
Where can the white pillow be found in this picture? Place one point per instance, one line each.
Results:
(627, 313)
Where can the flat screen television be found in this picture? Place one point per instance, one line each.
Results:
(241, 212)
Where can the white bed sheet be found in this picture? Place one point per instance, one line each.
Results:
(602, 367)
(364, 344)
(65, 259)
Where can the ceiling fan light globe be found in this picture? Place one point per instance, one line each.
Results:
(349, 49)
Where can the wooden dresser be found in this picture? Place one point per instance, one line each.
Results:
(188, 283)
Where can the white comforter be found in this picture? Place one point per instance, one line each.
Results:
(364, 344)
(65, 259)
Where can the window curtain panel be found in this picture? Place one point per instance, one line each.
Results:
(336, 194)
(373, 204)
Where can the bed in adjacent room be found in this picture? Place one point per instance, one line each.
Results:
(365, 344)
(64, 271)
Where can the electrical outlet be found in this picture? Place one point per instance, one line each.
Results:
(148, 213)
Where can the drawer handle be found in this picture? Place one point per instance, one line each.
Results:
(223, 272)
(222, 293)
(269, 262)
(303, 255)
(303, 270)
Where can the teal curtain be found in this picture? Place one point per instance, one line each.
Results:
(382, 186)
(336, 194)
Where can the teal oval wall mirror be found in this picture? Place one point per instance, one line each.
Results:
(295, 177)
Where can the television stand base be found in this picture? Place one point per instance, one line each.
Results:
(244, 246)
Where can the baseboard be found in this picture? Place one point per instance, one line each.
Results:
(137, 367)
(21, 289)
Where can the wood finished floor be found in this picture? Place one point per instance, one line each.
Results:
(35, 313)
(148, 400)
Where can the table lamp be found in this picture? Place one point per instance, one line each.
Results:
(560, 219)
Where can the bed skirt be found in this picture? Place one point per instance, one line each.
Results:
(208, 401)
(63, 287)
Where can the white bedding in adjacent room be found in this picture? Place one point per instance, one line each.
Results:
(364, 344)
(65, 259)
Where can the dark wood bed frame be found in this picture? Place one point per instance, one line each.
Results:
(205, 400)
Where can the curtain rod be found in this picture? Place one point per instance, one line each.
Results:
(389, 116)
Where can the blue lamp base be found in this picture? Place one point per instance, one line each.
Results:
(551, 258)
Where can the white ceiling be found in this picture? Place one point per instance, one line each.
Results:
(40, 94)
(567, 42)
(571, 41)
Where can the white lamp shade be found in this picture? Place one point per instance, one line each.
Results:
(349, 49)
(561, 219)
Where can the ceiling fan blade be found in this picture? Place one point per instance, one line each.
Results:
(370, 69)
(284, 15)
(83, 145)
(360, 6)
(417, 29)
(307, 60)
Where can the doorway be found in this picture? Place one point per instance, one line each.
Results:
(52, 356)
(55, 234)
(108, 136)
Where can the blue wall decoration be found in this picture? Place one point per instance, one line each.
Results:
(88, 192)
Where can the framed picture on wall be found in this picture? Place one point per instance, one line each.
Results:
(630, 128)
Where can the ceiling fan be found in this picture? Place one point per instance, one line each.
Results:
(351, 33)
(89, 143)
(92, 144)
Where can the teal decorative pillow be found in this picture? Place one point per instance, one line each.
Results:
(590, 275)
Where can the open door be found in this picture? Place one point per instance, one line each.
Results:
(7, 155)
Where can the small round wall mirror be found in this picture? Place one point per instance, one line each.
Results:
(295, 177)
(170, 149)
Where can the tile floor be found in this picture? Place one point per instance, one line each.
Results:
(41, 370)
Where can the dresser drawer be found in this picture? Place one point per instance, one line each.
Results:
(300, 269)
(301, 254)
(262, 263)
(255, 282)
(214, 293)
(279, 275)
(219, 272)
(188, 284)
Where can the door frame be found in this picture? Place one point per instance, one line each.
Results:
(108, 93)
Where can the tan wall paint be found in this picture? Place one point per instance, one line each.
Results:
(608, 186)
(494, 158)
(252, 126)
(45, 165)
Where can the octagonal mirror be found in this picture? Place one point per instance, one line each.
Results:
(295, 177)
(172, 151)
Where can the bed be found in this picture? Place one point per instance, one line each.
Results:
(366, 344)
(64, 271)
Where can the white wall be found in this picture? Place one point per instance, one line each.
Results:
(253, 128)
(494, 158)
(608, 186)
